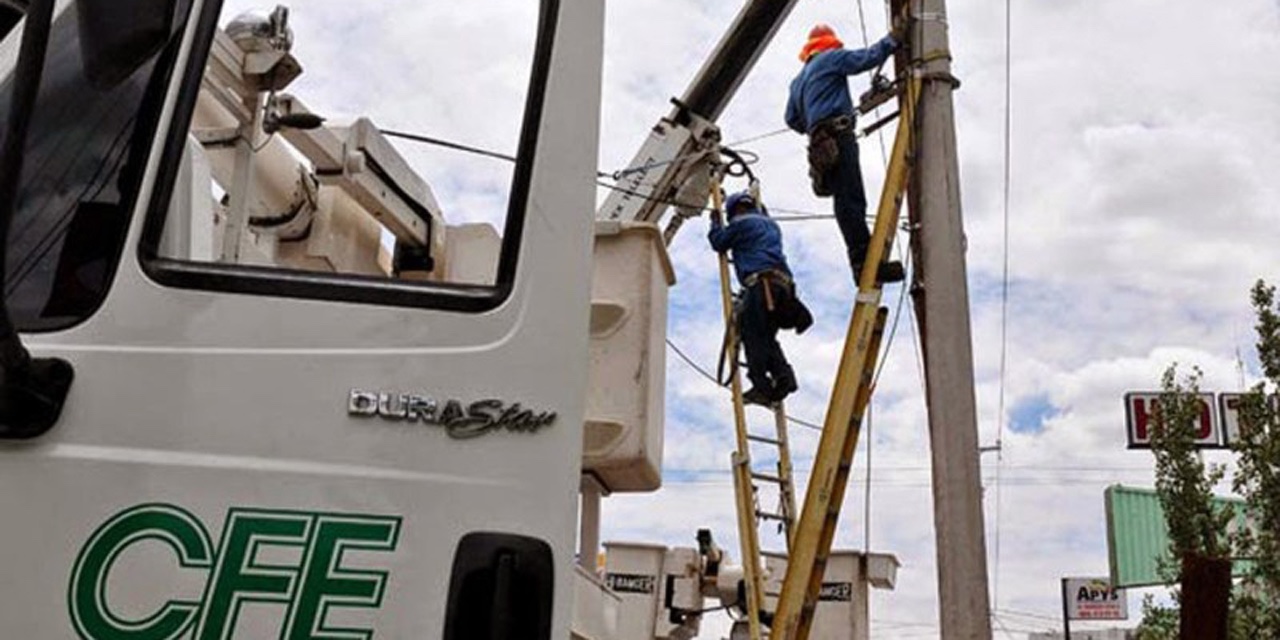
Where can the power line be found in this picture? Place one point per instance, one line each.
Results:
(866, 42)
(707, 374)
(763, 136)
(1038, 473)
(899, 483)
(893, 331)
(1004, 289)
(448, 145)
(1028, 614)
(793, 215)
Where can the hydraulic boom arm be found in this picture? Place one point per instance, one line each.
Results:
(671, 167)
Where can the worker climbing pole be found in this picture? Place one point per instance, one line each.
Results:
(850, 396)
(810, 537)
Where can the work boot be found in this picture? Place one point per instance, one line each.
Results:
(785, 385)
(758, 395)
(888, 272)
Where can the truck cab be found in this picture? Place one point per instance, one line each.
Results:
(287, 377)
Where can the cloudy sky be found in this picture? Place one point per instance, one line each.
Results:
(1141, 209)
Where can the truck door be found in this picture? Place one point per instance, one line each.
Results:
(327, 384)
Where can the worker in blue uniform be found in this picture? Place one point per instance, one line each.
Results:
(769, 299)
(820, 106)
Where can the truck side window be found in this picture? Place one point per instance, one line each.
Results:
(85, 153)
(359, 151)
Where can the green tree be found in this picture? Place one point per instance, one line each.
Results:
(1185, 485)
(1257, 480)
(1183, 481)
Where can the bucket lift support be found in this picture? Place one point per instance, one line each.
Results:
(673, 165)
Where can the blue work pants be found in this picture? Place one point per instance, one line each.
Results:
(758, 331)
(850, 199)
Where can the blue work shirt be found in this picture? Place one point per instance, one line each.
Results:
(821, 91)
(756, 242)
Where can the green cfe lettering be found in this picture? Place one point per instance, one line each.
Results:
(239, 578)
(89, 612)
(306, 587)
(327, 584)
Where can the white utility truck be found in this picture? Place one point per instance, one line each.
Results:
(268, 376)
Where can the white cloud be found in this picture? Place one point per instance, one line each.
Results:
(1142, 208)
(1141, 212)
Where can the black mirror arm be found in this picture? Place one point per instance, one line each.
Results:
(32, 391)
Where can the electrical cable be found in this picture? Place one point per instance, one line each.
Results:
(748, 158)
(763, 136)
(711, 378)
(1030, 615)
(907, 483)
(1004, 291)
(996, 619)
(271, 136)
(866, 497)
(741, 158)
(866, 42)
(447, 144)
(622, 173)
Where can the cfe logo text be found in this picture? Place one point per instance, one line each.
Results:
(291, 563)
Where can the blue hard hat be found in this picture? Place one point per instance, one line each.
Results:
(741, 198)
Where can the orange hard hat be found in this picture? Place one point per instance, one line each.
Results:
(820, 30)
(821, 38)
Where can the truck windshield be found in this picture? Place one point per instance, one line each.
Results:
(83, 164)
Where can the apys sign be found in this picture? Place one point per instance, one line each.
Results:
(1095, 599)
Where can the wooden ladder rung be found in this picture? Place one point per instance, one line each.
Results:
(769, 515)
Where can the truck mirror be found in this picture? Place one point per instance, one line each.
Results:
(119, 36)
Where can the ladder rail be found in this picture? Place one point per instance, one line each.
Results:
(787, 498)
(827, 536)
(748, 537)
(839, 434)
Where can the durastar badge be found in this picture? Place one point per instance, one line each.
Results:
(458, 420)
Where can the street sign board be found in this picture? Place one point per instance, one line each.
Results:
(1138, 537)
(1229, 410)
(1139, 406)
(1095, 599)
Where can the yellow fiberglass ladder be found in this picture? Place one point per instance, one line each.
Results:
(809, 538)
(850, 396)
(751, 514)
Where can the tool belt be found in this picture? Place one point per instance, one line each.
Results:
(824, 151)
(780, 299)
(782, 304)
(775, 275)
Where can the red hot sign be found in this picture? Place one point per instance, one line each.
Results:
(1139, 408)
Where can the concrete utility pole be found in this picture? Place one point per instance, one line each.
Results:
(941, 297)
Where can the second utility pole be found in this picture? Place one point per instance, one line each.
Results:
(942, 306)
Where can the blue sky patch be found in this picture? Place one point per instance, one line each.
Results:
(1029, 414)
